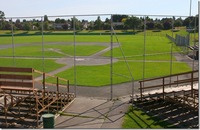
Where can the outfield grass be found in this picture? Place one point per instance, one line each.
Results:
(137, 119)
(133, 47)
(100, 75)
(54, 38)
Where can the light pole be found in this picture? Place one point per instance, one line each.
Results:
(190, 8)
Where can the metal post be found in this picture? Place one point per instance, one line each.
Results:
(192, 82)
(13, 45)
(42, 44)
(74, 30)
(144, 55)
(111, 60)
(199, 27)
(193, 64)
(171, 55)
(190, 8)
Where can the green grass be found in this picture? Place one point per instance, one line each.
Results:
(137, 119)
(51, 50)
(133, 46)
(49, 65)
(158, 49)
(100, 75)
(54, 38)
(154, 57)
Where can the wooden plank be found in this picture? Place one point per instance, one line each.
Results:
(16, 76)
(18, 88)
(18, 84)
(16, 69)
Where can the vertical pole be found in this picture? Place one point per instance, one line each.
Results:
(57, 93)
(163, 88)
(42, 44)
(68, 91)
(198, 33)
(5, 110)
(13, 45)
(141, 90)
(199, 28)
(144, 55)
(111, 60)
(194, 50)
(190, 8)
(192, 83)
(171, 54)
(36, 105)
(75, 78)
(43, 87)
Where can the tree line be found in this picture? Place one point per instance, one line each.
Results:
(120, 22)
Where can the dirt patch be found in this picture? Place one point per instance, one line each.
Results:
(89, 61)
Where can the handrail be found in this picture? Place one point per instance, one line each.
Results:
(169, 76)
(162, 82)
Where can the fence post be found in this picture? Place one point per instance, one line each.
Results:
(57, 93)
(192, 76)
(141, 90)
(43, 88)
(163, 88)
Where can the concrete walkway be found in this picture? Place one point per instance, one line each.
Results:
(93, 113)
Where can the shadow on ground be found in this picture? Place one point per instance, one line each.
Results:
(179, 116)
(93, 113)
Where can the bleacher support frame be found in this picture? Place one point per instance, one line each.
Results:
(23, 98)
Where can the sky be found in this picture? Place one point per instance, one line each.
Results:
(24, 8)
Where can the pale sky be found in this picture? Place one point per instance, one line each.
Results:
(24, 8)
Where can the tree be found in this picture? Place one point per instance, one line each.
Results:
(158, 26)
(46, 25)
(98, 24)
(106, 24)
(27, 26)
(187, 22)
(57, 20)
(18, 25)
(150, 25)
(167, 23)
(2, 17)
(78, 24)
(45, 18)
(62, 21)
(118, 18)
(178, 22)
(133, 22)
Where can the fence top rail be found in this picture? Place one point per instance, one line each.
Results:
(81, 15)
(189, 72)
